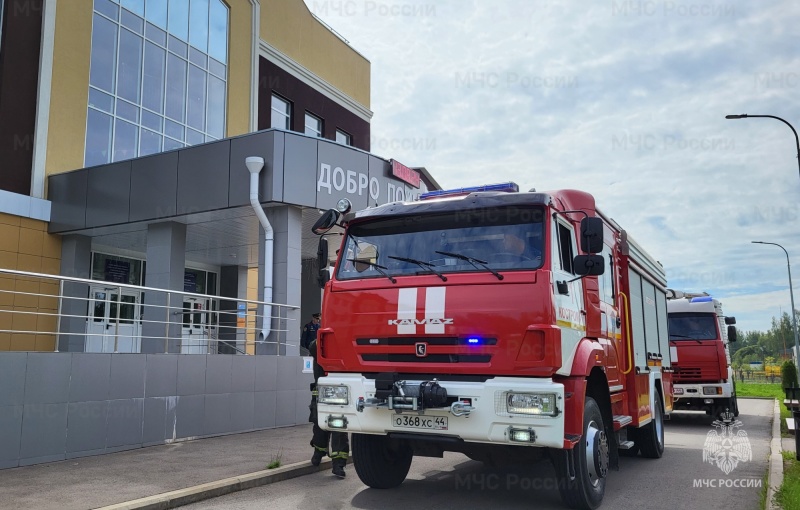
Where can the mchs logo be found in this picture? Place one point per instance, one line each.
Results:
(729, 448)
(413, 322)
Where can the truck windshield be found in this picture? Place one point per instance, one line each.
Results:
(692, 326)
(503, 238)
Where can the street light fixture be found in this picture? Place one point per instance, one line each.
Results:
(791, 296)
(796, 138)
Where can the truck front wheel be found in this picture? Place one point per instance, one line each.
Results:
(582, 471)
(380, 462)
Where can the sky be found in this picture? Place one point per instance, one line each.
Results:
(623, 99)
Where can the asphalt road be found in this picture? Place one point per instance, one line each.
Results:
(457, 482)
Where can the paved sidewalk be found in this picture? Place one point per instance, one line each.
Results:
(98, 481)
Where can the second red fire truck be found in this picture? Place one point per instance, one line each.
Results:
(503, 325)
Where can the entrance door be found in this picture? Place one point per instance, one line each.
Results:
(113, 318)
(195, 326)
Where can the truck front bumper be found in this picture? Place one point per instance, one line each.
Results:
(487, 418)
(702, 391)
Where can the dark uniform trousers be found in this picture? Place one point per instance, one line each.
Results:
(339, 441)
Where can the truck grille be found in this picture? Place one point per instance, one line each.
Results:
(696, 374)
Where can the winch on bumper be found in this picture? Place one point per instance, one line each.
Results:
(500, 410)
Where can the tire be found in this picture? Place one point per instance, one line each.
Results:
(586, 488)
(380, 463)
(650, 438)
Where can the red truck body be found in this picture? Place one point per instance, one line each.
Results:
(440, 332)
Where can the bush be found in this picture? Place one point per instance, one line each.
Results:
(789, 374)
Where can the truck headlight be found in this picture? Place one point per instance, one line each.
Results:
(712, 390)
(334, 395)
(532, 403)
(677, 391)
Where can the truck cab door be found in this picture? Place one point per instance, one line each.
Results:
(568, 291)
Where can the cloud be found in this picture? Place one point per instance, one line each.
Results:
(628, 105)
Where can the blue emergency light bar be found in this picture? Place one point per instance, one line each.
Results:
(509, 187)
(703, 299)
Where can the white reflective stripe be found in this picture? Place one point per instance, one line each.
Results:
(434, 309)
(407, 309)
(673, 354)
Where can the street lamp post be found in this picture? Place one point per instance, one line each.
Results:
(795, 412)
(796, 138)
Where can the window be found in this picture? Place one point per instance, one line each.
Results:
(158, 77)
(343, 138)
(281, 113)
(565, 247)
(313, 125)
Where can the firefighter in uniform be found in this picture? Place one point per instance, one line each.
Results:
(310, 332)
(339, 442)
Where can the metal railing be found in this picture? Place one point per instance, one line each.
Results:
(37, 309)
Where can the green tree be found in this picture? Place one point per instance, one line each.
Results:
(789, 373)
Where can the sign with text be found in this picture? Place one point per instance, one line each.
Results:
(405, 173)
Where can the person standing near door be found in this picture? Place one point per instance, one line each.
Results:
(320, 440)
(310, 332)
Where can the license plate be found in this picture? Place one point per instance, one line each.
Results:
(419, 422)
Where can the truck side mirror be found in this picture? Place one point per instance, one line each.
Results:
(325, 222)
(322, 253)
(731, 333)
(324, 277)
(730, 320)
(588, 265)
(592, 235)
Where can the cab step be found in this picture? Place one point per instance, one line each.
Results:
(620, 420)
(626, 445)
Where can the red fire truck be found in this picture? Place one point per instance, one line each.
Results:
(698, 342)
(503, 325)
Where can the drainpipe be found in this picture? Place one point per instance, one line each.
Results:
(254, 165)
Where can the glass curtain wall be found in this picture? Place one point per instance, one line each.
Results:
(158, 77)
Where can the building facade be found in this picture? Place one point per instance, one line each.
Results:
(124, 125)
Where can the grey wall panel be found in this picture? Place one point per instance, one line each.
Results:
(124, 422)
(345, 162)
(268, 145)
(203, 174)
(217, 414)
(86, 427)
(289, 368)
(155, 413)
(161, 379)
(43, 433)
(301, 402)
(189, 416)
(286, 411)
(267, 373)
(243, 374)
(90, 377)
(265, 405)
(300, 170)
(12, 378)
(108, 192)
(11, 432)
(154, 187)
(242, 411)
(191, 375)
(67, 192)
(127, 376)
(47, 377)
(218, 375)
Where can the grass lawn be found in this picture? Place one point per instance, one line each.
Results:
(788, 496)
(744, 389)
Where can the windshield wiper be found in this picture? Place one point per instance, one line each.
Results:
(472, 261)
(684, 336)
(377, 267)
(424, 265)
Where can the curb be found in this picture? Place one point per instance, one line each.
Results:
(180, 497)
(775, 476)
